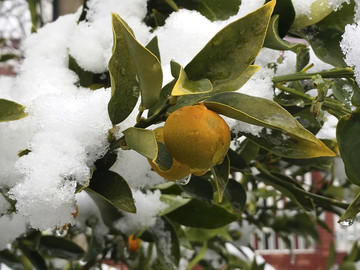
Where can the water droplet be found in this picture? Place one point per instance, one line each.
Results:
(185, 180)
(62, 232)
(347, 223)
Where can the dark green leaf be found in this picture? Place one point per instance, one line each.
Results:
(87, 78)
(202, 215)
(109, 212)
(286, 12)
(167, 243)
(236, 194)
(34, 257)
(133, 69)
(10, 110)
(347, 134)
(342, 91)
(221, 175)
(6, 57)
(60, 248)
(232, 50)
(348, 218)
(246, 108)
(11, 260)
(199, 188)
(114, 189)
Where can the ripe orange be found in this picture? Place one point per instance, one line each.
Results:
(197, 137)
(133, 243)
(177, 171)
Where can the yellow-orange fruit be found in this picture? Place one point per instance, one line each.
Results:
(133, 243)
(197, 137)
(177, 170)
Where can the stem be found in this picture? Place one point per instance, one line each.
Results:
(333, 73)
(142, 123)
(328, 102)
(319, 198)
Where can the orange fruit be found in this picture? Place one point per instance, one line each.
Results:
(197, 137)
(133, 243)
(177, 170)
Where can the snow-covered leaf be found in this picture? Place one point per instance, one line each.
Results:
(232, 50)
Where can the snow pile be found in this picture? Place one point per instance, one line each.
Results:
(350, 48)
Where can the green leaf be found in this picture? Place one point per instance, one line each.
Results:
(133, 69)
(221, 175)
(347, 134)
(279, 144)
(60, 248)
(341, 90)
(236, 194)
(232, 50)
(167, 243)
(328, 49)
(202, 215)
(11, 260)
(184, 86)
(274, 41)
(173, 203)
(10, 110)
(114, 189)
(142, 141)
(202, 235)
(302, 58)
(35, 18)
(246, 108)
(153, 46)
(350, 214)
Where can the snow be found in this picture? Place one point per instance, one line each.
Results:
(350, 49)
(147, 207)
(11, 227)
